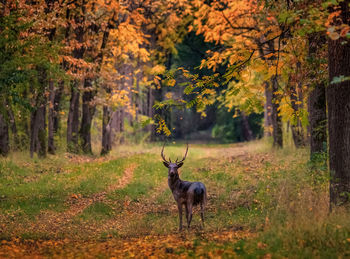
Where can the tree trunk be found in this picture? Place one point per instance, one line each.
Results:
(338, 103)
(317, 99)
(296, 126)
(38, 129)
(13, 126)
(150, 112)
(106, 131)
(112, 122)
(138, 77)
(298, 135)
(268, 111)
(38, 118)
(128, 85)
(57, 106)
(51, 144)
(87, 116)
(317, 119)
(121, 124)
(4, 137)
(247, 132)
(73, 115)
(276, 118)
(73, 120)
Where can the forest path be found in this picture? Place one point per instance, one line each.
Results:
(138, 217)
(56, 223)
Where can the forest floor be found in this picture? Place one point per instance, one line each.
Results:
(262, 203)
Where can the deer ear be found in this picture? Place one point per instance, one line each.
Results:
(179, 164)
(166, 164)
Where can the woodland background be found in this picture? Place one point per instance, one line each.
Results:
(89, 77)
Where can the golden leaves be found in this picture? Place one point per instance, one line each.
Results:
(162, 127)
(158, 69)
(150, 246)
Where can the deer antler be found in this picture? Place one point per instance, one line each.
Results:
(183, 159)
(162, 154)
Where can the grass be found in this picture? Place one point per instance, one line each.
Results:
(262, 203)
(33, 189)
(97, 211)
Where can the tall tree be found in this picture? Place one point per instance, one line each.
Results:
(267, 111)
(4, 136)
(317, 96)
(338, 103)
(78, 19)
(38, 127)
(50, 144)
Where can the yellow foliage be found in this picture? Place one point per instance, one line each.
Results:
(158, 69)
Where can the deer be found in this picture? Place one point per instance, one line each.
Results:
(185, 193)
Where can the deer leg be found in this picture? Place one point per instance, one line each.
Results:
(179, 206)
(202, 214)
(189, 207)
(186, 213)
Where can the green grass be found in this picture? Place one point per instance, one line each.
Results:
(97, 211)
(29, 190)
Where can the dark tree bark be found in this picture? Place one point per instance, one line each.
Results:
(246, 130)
(296, 126)
(106, 131)
(150, 111)
(268, 112)
(24, 124)
(106, 127)
(111, 123)
(127, 82)
(73, 120)
(73, 115)
(276, 122)
(338, 102)
(57, 106)
(13, 127)
(88, 111)
(317, 119)
(276, 118)
(317, 99)
(120, 121)
(38, 129)
(139, 94)
(38, 138)
(50, 143)
(4, 137)
(106, 116)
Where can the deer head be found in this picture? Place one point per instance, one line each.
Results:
(173, 166)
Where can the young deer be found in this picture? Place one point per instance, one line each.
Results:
(185, 193)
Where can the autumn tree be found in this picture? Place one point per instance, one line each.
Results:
(338, 101)
(307, 66)
(244, 32)
(31, 60)
(142, 43)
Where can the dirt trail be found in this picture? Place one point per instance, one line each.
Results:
(125, 180)
(53, 222)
